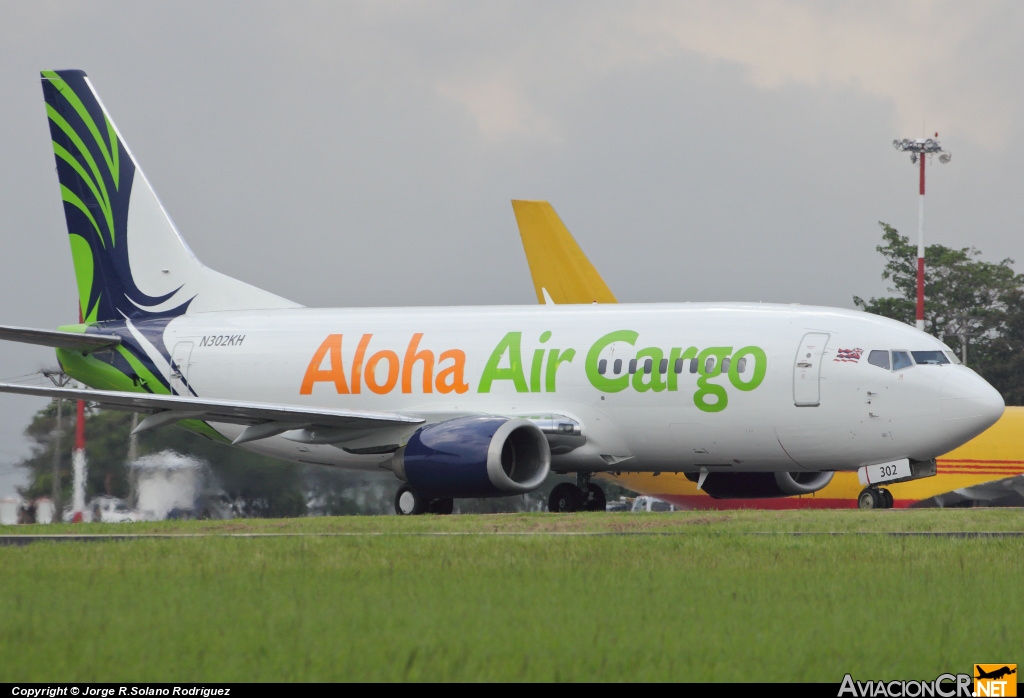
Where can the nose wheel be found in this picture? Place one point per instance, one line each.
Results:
(875, 498)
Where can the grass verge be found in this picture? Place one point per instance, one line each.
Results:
(724, 596)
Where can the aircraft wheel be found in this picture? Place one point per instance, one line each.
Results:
(443, 506)
(565, 497)
(869, 498)
(409, 503)
(596, 501)
(887, 501)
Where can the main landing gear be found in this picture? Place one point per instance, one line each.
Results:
(408, 502)
(874, 498)
(583, 496)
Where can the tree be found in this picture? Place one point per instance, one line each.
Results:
(966, 298)
(262, 486)
(1003, 362)
(972, 305)
(105, 453)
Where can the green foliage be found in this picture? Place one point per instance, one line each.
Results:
(259, 486)
(972, 305)
(337, 492)
(1004, 357)
(42, 431)
(106, 450)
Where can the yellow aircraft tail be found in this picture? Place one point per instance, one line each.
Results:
(561, 272)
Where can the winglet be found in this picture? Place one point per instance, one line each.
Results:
(561, 272)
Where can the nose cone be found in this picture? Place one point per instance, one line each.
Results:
(969, 404)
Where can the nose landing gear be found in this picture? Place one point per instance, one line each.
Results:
(875, 498)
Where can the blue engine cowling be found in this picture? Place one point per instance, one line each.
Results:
(761, 485)
(475, 457)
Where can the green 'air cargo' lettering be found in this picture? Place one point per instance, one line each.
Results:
(499, 368)
(652, 372)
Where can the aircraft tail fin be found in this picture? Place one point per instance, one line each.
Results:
(561, 272)
(130, 262)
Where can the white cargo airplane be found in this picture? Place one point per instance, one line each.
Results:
(479, 401)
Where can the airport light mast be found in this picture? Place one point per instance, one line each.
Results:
(920, 149)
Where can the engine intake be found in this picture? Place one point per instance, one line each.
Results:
(762, 485)
(475, 457)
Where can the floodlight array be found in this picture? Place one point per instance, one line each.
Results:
(922, 146)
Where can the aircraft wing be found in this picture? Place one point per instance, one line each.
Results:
(61, 340)
(262, 420)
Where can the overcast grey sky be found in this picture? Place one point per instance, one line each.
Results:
(364, 153)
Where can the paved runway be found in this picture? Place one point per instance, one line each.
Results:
(106, 537)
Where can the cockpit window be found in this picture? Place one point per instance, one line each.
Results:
(951, 355)
(929, 357)
(880, 358)
(901, 359)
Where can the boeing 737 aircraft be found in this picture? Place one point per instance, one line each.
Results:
(985, 469)
(480, 401)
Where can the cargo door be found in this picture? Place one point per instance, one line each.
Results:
(807, 369)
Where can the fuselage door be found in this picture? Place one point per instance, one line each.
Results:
(180, 361)
(807, 370)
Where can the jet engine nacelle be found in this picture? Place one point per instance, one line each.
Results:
(475, 457)
(762, 485)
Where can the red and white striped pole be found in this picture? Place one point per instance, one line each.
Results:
(920, 250)
(78, 466)
(919, 150)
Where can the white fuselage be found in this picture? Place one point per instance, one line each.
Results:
(796, 394)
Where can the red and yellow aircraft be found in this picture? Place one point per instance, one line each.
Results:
(562, 274)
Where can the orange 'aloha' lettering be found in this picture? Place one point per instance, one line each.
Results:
(357, 363)
(411, 357)
(452, 379)
(371, 372)
(335, 373)
(382, 369)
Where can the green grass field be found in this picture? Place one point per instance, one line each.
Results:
(714, 596)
